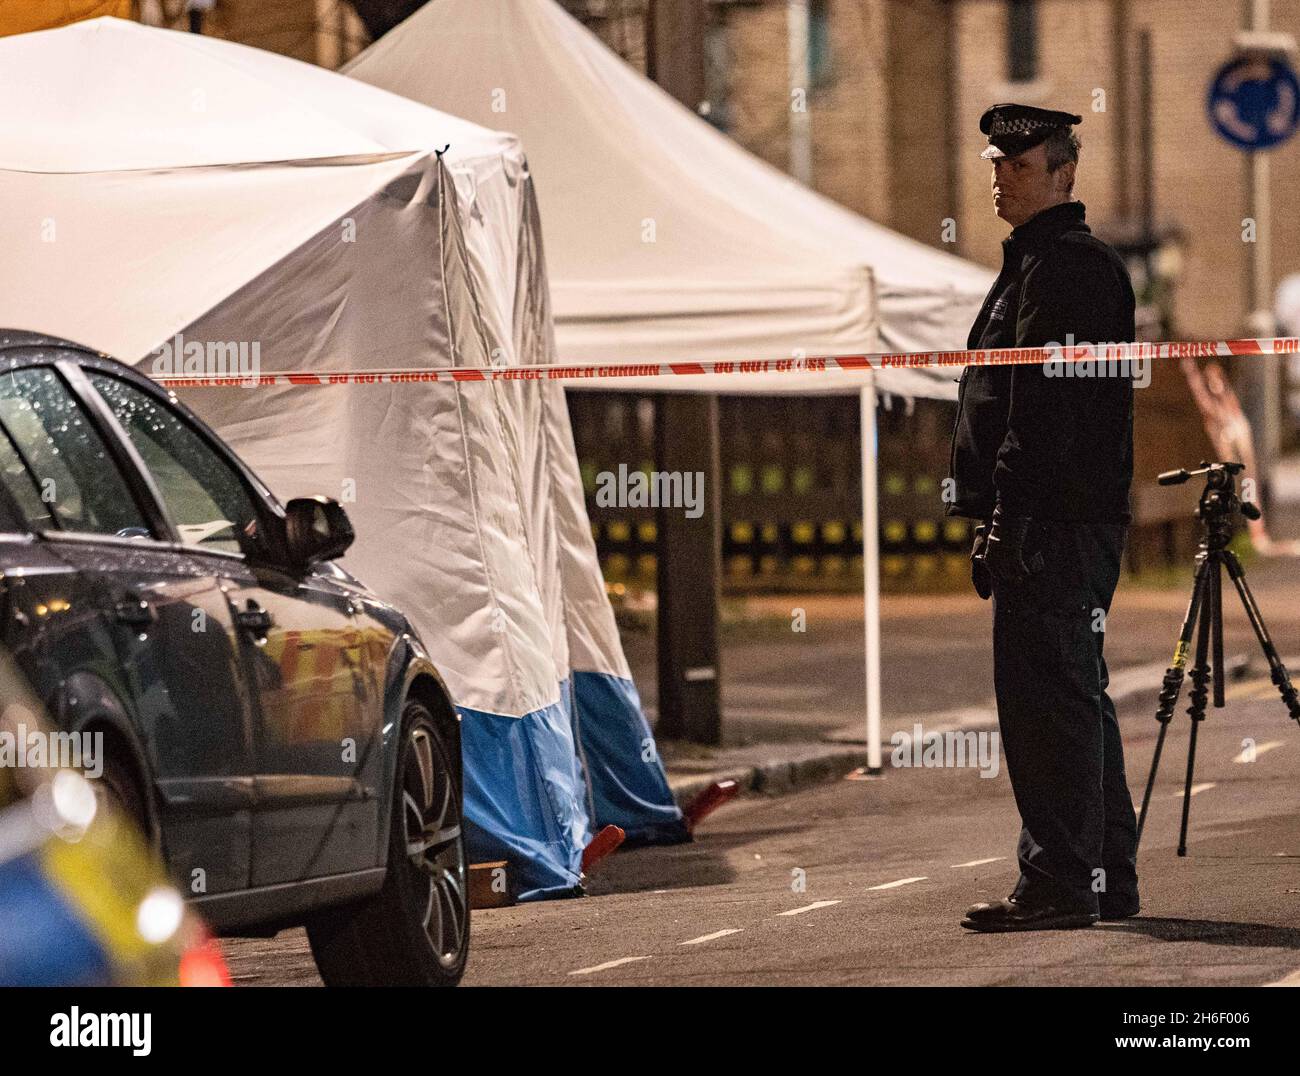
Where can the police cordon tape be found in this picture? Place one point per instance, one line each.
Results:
(1017, 356)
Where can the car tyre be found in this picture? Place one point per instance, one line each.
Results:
(415, 930)
(118, 789)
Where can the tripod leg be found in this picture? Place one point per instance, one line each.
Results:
(1187, 788)
(1199, 694)
(1171, 686)
(1280, 676)
(1216, 631)
(1151, 779)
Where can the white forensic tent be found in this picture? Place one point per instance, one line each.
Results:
(157, 183)
(667, 242)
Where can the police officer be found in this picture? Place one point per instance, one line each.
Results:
(1045, 462)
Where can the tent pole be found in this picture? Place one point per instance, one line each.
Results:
(871, 567)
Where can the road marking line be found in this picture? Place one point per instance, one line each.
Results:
(1288, 980)
(609, 964)
(895, 885)
(979, 862)
(810, 907)
(1196, 789)
(711, 937)
(1259, 750)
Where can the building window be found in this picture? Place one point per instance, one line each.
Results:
(716, 107)
(819, 43)
(1022, 40)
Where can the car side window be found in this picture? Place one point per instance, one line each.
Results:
(23, 488)
(206, 498)
(55, 463)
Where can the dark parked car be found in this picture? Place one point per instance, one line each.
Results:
(277, 730)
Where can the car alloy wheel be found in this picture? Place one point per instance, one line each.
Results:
(415, 930)
(435, 852)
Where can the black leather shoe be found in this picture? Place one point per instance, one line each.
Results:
(1007, 915)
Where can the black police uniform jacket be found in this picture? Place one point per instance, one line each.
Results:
(1051, 447)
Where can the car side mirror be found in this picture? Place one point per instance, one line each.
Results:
(316, 529)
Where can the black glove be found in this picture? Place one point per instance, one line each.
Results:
(1004, 551)
(979, 571)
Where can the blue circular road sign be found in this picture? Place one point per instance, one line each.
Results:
(1254, 102)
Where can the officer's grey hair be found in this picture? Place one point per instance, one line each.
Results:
(1062, 147)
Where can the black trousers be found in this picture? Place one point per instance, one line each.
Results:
(1078, 844)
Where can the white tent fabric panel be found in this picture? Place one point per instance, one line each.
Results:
(493, 190)
(667, 241)
(510, 271)
(208, 119)
(419, 465)
(184, 237)
(388, 119)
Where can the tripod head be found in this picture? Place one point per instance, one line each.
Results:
(1217, 472)
(1219, 501)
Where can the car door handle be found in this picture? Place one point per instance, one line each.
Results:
(254, 619)
(135, 612)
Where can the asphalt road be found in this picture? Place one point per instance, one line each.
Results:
(889, 865)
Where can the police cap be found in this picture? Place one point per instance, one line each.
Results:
(1012, 129)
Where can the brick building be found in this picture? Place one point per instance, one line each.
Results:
(325, 32)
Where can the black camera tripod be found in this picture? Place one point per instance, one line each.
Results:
(1216, 511)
